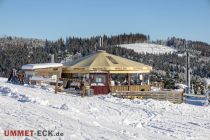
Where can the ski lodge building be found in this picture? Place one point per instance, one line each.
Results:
(100, 73)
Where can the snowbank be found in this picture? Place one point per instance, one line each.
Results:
(99, 117)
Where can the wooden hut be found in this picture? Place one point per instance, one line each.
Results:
(46, 72)
(104, 72)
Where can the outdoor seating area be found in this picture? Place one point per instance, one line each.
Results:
(103, 73)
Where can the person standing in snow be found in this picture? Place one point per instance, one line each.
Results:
(82, 92)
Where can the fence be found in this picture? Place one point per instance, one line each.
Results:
(172, 96)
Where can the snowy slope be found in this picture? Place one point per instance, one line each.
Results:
(148, 48)
(99, 117)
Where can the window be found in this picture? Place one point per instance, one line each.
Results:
(98, 80)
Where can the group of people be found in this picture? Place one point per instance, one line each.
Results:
(77, 85)
(16, 76)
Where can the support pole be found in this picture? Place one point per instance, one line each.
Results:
(56, 85)
(188, 73)
(109, 78)
(129, 81)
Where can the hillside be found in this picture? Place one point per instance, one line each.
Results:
(98, 117)
(17, 51)
(148, 48)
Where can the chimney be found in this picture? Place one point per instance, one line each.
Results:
(101, 42)
(52, 58)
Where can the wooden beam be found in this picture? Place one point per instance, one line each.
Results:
(56, 85)
(129, 81)
(109, 81)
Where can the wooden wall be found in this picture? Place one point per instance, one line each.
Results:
(48, 72)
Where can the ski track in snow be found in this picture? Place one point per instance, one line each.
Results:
(98, 117)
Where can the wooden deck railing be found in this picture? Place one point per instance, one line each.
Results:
(172, 96)
(130, 88)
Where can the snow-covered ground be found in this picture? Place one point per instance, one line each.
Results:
(98, 117)
(149, 48)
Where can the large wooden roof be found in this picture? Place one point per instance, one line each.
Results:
(102, 61)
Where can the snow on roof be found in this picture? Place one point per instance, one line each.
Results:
(41, 66)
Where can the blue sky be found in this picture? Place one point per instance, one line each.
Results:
(53, 19)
